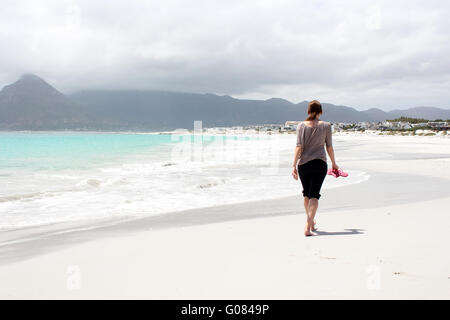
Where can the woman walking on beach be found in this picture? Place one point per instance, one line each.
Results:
(310, 160)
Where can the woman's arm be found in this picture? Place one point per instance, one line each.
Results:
(330, 151)
(329, 147)
(297, 152)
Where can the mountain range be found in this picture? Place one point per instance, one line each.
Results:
(32, 104)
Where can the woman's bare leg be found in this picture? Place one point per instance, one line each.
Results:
(313, 204)
(308, 216)
(308, 226)
(306, 204)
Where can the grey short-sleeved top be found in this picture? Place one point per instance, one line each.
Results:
(312, 141)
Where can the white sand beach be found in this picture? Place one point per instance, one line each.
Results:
(384, 238)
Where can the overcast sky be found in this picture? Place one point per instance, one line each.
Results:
(386, 54)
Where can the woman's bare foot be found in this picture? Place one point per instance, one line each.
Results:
(314, 226)
(308, 230)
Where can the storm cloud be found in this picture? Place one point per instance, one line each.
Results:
(386, 54)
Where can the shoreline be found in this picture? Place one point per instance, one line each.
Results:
(28, 233)
(16, 245)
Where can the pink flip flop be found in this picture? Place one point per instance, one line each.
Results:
(337, 173)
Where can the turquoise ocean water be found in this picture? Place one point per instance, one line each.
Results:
(56, 151)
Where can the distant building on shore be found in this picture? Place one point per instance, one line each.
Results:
(291, 125)
(439, 124)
